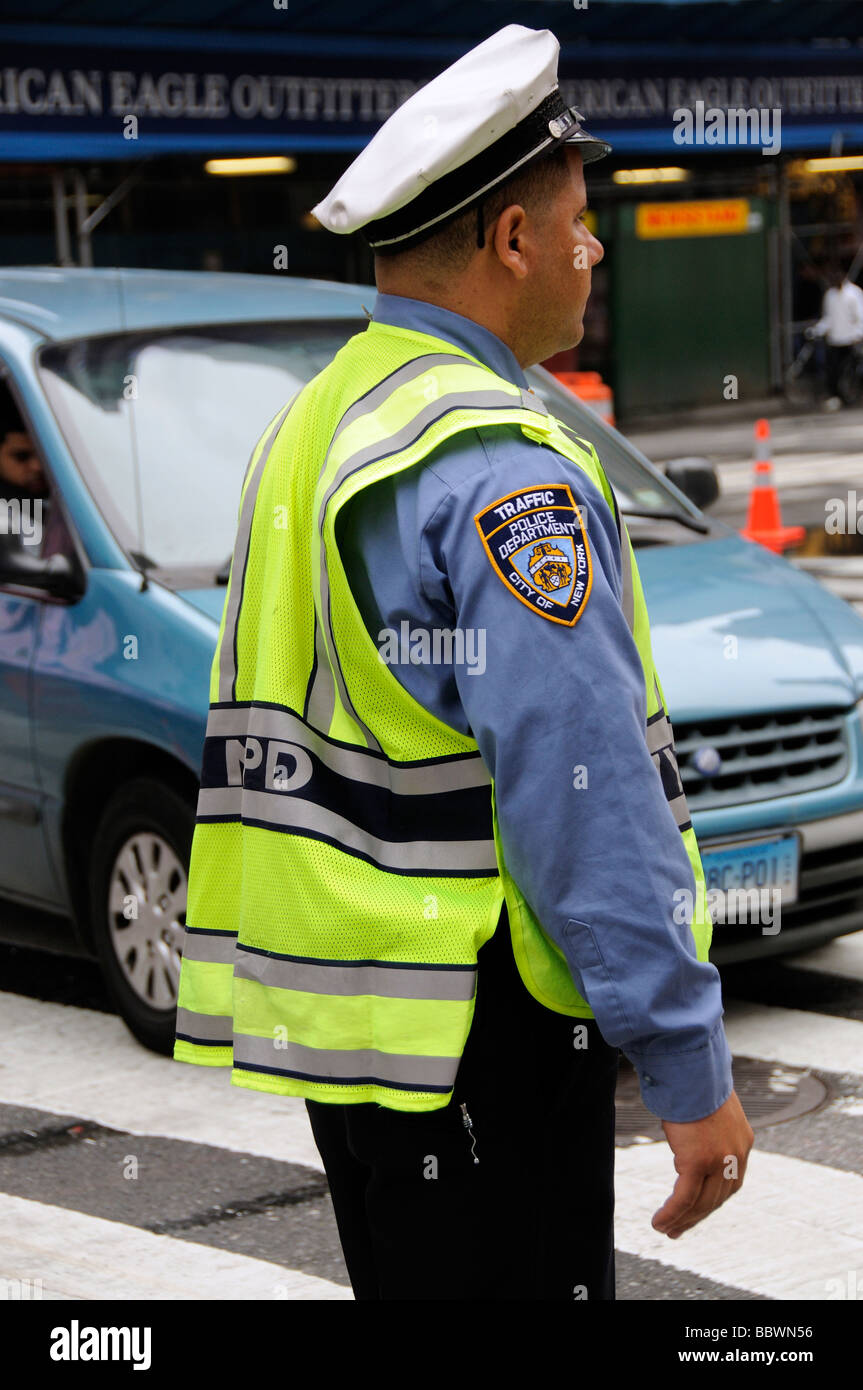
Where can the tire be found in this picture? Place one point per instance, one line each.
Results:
(138, 878)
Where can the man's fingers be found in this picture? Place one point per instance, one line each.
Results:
(686, 1192)
(678, 1215)
(712, 1196)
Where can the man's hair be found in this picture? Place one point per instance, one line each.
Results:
(10, 419)
(451, 248)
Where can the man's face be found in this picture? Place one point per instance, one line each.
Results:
(561, 281)
(19, 463)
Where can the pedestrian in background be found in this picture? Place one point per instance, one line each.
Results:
(841, 326)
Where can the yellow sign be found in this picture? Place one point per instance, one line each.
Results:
(711, 217)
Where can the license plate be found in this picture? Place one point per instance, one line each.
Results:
(759, 864)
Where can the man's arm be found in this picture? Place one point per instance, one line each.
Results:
(559, 713)
(587, 833)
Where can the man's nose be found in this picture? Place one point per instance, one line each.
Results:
(596, 250)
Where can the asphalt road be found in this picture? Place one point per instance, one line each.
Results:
(127, 1175)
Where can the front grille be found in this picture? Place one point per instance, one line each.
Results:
(763, 756)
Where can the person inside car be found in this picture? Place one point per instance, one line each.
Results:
(23, 485)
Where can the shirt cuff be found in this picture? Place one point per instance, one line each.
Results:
(686, 1086)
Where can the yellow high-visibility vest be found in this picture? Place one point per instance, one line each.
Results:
(346, 864)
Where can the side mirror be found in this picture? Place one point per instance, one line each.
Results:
(56, 574)
(696, 478)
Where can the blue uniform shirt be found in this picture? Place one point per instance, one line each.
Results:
(599, 863)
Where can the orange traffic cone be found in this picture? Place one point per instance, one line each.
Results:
(590, 388)
(764, 521)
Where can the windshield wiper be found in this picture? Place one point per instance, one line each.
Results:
(142, 561)
(224, 574)
(692, 522)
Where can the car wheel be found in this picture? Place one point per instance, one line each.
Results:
(138, 884)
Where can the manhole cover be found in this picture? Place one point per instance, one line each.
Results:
(768, 1091)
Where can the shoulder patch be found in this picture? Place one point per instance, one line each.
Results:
(538, 547)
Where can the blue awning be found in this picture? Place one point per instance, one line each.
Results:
(83, 92)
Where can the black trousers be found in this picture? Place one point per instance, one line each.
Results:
(836, 359)
(419, 1219)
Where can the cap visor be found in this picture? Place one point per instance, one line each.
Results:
(591, 148)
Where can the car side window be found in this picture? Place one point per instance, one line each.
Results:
(32, 523)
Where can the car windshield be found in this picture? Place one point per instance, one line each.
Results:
(162, 424)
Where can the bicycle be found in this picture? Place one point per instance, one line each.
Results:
(803, 382)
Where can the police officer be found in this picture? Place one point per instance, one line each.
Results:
(442, 839)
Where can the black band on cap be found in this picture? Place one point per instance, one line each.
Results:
(450, 196)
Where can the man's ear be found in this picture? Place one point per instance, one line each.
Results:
(510, 236)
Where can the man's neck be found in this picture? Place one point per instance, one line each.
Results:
(473, 307)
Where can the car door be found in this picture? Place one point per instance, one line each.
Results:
(26, 870)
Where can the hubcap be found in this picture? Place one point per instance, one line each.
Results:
(146, 917)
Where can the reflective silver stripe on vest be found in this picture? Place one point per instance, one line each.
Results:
(359, 764)
(228, 649)
(658, 731)
(362, 1066)
(411, 432)
(677, 802)
(383, 448)
(275, 811)
(354, 977)
(680, 811)
(321, 698)
(368, 404)
(531, 401)
(627, 598)
(214, 1029)
(210, 947)
(660, 743)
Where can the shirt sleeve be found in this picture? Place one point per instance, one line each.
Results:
(558, 713)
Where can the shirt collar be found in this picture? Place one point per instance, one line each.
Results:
(454, 328)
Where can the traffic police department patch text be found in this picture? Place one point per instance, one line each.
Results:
(537, 543)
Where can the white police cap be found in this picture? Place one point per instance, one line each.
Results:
(478, 123)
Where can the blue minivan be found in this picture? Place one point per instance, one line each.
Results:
(144, 393)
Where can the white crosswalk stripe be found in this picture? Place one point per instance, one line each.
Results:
(795, 1037)
(794, 470)
(842, 956)
(86, 1257)
(791, 1230)
(794, 1231)
(76, 1061)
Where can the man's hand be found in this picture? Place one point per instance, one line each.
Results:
(710, 1157)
